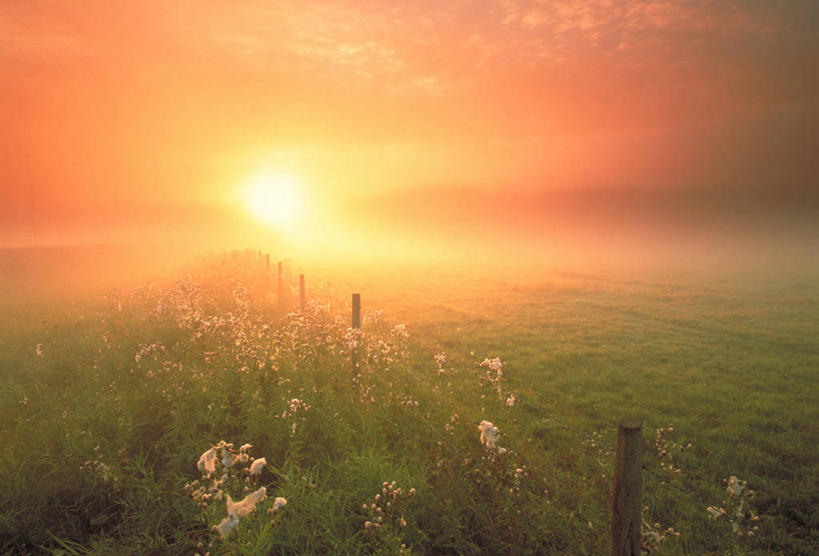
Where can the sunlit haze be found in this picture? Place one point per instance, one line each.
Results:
(274, 198)
(573, 130)
(409, 277)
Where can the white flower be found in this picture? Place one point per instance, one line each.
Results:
(400, 330)
(245, 447)
(248, 504)
(227, 525)
(257, 466)
(510, 401)
(39, 349)
(279, 503)
(489, 434)
(207, 462)
(494, 364)
(227, 458)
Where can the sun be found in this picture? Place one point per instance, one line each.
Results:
(274, 198)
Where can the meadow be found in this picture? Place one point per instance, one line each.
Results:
(473, 413)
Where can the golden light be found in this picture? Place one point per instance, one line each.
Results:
(274, 198)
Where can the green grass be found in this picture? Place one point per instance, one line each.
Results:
(96, 447)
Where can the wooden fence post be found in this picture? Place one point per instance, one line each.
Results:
(302, 293)
(356, 326)
(357, 310)
(626, 518)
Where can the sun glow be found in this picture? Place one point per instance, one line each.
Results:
(274, 198)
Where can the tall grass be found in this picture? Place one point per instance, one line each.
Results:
(103, 425)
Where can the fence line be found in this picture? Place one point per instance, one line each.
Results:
(626, 494)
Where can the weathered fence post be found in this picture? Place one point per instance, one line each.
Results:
(356, 326)
(302, 293)
(357, 310)
(626, 519)
(280, 293)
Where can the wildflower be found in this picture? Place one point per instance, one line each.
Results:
(39, 349)
(735, 486)
(352, 336)
(400, 330)
(207, 462)
(227, 525)
(494, 364)
(227, 458)
(510, 401)
(489, 434)
(279, 503)
(714, 512)
(248, 503)
(245, 447)
(257, 466)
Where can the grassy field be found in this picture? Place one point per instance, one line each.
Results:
(110, 406)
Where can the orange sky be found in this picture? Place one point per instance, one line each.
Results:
(115, 108)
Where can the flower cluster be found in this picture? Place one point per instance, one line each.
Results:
(353, 338)
(380, 353)
(738, 510)
(668, 451)
(494, 373)
(387, 506)
(490, 436)
(237, 510)
(374, 318)
(294, 406)
(400, 331)
(295, 409)
(449, 427)
(441, 359)
(652, 536)
(148, 349)
(99, 468)
(223, 469)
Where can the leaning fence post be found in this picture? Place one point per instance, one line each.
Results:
(626, 519)
(302, 293)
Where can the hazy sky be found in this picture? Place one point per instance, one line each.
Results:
(107, 104)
